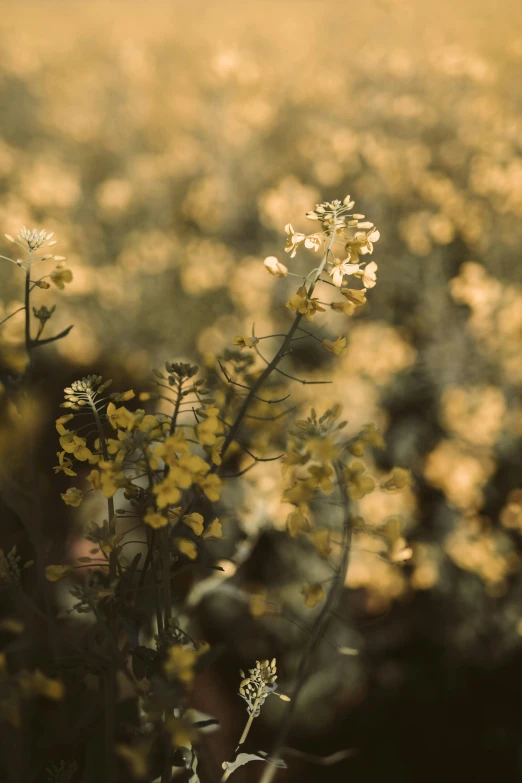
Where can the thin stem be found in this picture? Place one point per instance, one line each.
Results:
(252, 394)
(10, 316)
(316, 633)
(248, 726)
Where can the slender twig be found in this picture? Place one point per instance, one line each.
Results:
(276, 359)
(316, 633)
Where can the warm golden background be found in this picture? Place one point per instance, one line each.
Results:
(167, 144)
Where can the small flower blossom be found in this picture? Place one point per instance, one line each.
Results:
(340, 269)
(368, 275)
(73, 496)
(245, 342)
(293, 240)
(60, 276)
(275, 267)
(338, 347)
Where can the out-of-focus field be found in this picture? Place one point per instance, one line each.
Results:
(168, 144)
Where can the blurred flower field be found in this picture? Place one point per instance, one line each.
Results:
(167, 145)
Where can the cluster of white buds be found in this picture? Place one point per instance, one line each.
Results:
(259, 684)
(31, 240)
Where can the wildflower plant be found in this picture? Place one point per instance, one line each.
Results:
(160, 471)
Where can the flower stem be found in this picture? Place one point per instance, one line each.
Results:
(272, 365)
(317, 632)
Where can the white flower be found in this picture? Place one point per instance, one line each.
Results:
(340, 269)
(293, 240)
(313, 242)
(368, 275)
(275, 267)
(367, 240)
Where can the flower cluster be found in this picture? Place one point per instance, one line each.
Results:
(258, 685)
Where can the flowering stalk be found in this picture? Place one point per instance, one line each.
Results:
(279, 354)
(318, 629)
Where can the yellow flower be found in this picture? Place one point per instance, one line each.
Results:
(320, 539)
(300, 494)
(324, 449)
(275, 267)
(321, 478)
(53, 573)
(399, 479)
(208, 429)
(73, 496)
(194, 522)
(94, 479)
(357, 483)
(338, 347)
(215, 452)
(119, 418)
(155, 520)
(112, 477)
(172, 447)
(355, 295)
(245, 342)
(214, 530)
(166, 492)
(297, 523)
(187, 548)
(348, 308)
(60, 276)
(211, 486)
(313, 594)
(300, 303)
(65, 464)
(180, 663)
(188, 469)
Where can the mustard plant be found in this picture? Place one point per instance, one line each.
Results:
(161, 473)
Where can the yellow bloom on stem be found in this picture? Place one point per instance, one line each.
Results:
(187, 548)
(53, 573)
(172, 447)
(60, 276)
(188, 469)
(399, 479)
(321, 478)
(355, 295)
(208, 429)
(214, 530)
(119, 418)
(338, 347)
(180, 663)
(297, 524)
(64, 464)
(320, 539)
(73, 496)
(357, 483)
(211, 486)
(300, 303)
(155, 520)
(245, 342)
(195, 522)
(167, 492)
